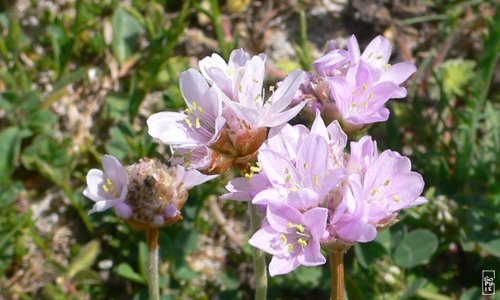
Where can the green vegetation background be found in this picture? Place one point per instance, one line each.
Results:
(79, 78)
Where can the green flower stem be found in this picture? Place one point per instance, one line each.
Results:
(154, 287)
(336, 257)
(259, 259)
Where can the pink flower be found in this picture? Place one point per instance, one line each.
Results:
(378, 188)
(389, 186)
(199, 125)
(377, 55)
(225, 124)
(226, 76)
(241, 80)
(292, 237)
(357, 84)
(108, 188)
(359, 98)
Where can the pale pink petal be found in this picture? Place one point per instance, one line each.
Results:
(353, 49)
(283, 96)
(191, 178)
(170, 128)
(280, 266)
(398, 73)
(265, 239)
(311, 256)
(283, 117)
(378, 52)
(279, 216)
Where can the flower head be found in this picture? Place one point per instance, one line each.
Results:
(225, 124)
(146, 194)
(302, 171)
(353, 87)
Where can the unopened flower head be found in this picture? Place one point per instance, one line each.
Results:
(153, 194)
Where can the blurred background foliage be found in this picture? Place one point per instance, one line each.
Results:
(79, 78)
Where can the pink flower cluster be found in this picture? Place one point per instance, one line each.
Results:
(313, 190)
(314, 193)
(353, 87)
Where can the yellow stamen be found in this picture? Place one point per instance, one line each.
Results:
(299, 227)
(306, 166)
(380, 56)
(316, 180)
(109, 187)
(290, 248)
(371, 96)
(288, 178)
(387, 66)
(249, 176)
(284, 239)
(188, 122)
(396, 198)
(255, 80)
(294, 189)
(375, 191)
(387, 181)
(195, 105)
(197, 121)
(254, 169)
(365, 87)
(302, 242)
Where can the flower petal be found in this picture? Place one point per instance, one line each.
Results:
(280, 266)
(170, 128)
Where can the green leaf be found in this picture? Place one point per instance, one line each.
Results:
(369, 253)
(51, 158)
(416, 248)
(9, 151)
(126, 271)
(119, 145)
(85, 258)
(136, 98)
(6, 236)
(126, 30)
(471, 294)
(413, 288)
(86, 277)
(493, 247)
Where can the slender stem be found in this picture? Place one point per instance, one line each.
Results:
(336, 257)
(154, 287)
(259, 259)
